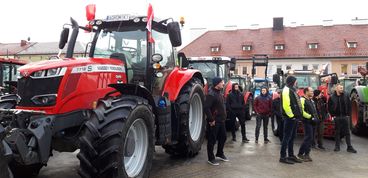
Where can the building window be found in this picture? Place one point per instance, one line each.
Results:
(355, 67)
(344, 69)
(315, 66)
(352, 44)
(245, 70)
(279, 47)
(288, 67)
(313, 45)
(305, 67)
(215, 49)
(247, 47)
(236, 71)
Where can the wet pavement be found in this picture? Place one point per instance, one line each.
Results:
(246, 160)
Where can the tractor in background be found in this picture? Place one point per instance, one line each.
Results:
(9, 75)
(359, 104)
(115, 105)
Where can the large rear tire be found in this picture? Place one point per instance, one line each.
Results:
(357, 114)
(192, 122)
(117, 141)
(4, 169)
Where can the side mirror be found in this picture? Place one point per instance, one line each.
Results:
(232, 64)
(183, 60)
(276, 79)
(174, 32)
(63, 38)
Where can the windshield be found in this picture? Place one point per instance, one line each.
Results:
(209, 69)
(349, 84)
(308, 81)
(131, 44)
(260, 84)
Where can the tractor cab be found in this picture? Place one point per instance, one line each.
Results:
(212, 67)
(9, 74)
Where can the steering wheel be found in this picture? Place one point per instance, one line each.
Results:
(131, 50)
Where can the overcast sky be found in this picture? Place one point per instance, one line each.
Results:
(42, 20)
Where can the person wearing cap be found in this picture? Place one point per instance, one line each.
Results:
(262, 106)
(215, 110)
(309, 119)
(321, 108)
(291, 112)
(235, 105)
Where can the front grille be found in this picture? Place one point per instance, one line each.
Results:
(29, 87)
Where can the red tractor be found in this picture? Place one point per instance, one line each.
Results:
(309, 78)
(127, 96)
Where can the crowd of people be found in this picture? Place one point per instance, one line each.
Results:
(288, 108)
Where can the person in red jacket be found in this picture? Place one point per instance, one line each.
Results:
(262, 106)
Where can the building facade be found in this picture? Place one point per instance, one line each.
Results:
(329, 48)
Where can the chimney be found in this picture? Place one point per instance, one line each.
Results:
(278, 23)
(23, 43)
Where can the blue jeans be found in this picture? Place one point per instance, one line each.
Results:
(308, 138)
(289, 135)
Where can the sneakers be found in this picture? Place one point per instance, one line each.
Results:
(321, 147)
(307, 158)
(301, 157)
(213, 162)
(245, 140)
(294, 159)
(351, 150)
(256, 141)
(222, 158)
(337, 149)
(267, 141)
(285, 161)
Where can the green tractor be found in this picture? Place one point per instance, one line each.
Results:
(359, 104)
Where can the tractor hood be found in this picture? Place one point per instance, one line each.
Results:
(30, 68)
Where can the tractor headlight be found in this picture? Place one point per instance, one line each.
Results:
(54, 72)
(45, 100)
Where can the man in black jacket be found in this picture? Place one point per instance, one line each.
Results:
(235, 105)
(276, 111)
(340, 108)
(215, 110)
(321, 107)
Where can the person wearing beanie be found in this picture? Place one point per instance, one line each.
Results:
(215, 110)
(291, 112)
(262, 106)
(321, 108)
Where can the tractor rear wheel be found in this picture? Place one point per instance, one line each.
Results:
(118, 139)
(192, 122)
(357, 114)
(4, 169)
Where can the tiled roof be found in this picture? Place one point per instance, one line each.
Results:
(36, 48)
(331, 42)
(50, 48)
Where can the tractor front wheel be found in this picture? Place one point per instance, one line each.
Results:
(192, 122)
(117, 141)
(357, 114)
